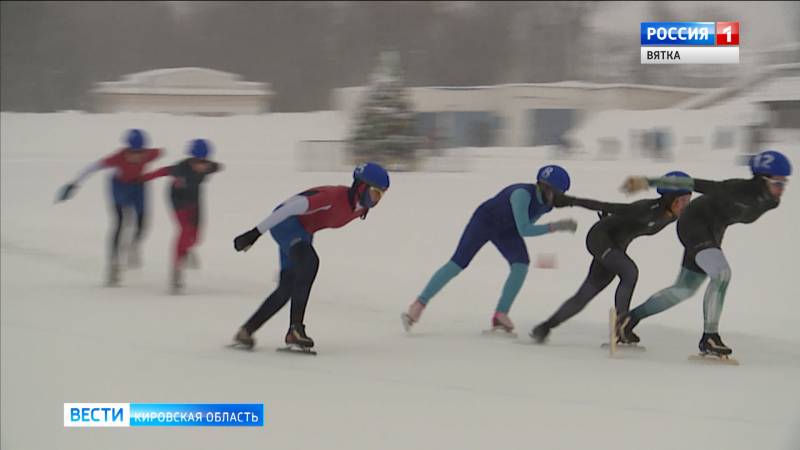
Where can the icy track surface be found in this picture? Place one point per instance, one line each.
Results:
(65, 338)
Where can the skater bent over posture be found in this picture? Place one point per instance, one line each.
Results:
(292, 225)
(608, 240)
(127, 192)
(701, 228)
(188, 175)
(502, 220)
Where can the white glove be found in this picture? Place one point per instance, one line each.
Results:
(634, 184)
(564, 225)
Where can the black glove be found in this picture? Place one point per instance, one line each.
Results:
(561, 200)
(246, 239)
(67, 192)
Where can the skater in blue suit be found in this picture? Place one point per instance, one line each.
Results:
(503, 220)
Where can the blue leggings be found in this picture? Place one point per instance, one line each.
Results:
(478, 232)
(128, 195)
(124, 196)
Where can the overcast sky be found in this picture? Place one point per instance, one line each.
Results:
(762, 24)
(54, 52)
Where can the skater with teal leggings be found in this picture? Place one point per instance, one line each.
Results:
(701, 228)
(502, 220)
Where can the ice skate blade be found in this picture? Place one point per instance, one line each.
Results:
(296, 349)
(623, 347)
(714, 359)
(612, 332)
(113, 282)
(172, 290)
(535, 341)
(407, 322)
(499, 332)
(240, 346)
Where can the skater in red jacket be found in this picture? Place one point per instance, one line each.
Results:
(292, 225)
(127, 193)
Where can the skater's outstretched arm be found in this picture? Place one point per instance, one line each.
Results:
(520, 204)
(207, 167)
(162, 172)
(710, 186)
(636, 184)
(114, 160)
(562, 200)
(214, 167)
(204, 166)
(69, 189)
(741, 191)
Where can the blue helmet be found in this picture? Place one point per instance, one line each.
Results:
(675, 191)
(199, 148)
(135, 139)
(771, 163)
(555, 176)
(372, 174)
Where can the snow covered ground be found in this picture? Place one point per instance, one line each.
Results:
(65, 338)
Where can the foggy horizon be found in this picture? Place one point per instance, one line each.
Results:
(53, 53)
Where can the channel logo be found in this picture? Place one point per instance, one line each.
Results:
(689, 42)
(163, 414)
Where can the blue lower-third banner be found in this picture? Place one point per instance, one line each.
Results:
(163, 414)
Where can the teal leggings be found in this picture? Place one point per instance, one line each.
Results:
(513, 284)
(713, 262)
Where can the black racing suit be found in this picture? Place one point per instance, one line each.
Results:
(607, 241)
(705, 219)
(185, 197)
(185, 190)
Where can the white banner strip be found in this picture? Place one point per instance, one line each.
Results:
(690, 55)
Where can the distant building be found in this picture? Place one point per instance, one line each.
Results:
(738, 119)
(516, 114)
(786, 53)
(775, 89)
(185, 90)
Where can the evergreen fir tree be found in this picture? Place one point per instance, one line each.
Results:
(385, 131)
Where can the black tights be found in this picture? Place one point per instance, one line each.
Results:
(613, 263)
(120, 220)
(295, 284)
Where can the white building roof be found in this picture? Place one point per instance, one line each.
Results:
(772, 83)
(775, 90)
(183, 81)
(572, 85)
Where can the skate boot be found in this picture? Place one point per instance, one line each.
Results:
(625, 334)
(412, 316)
(134, 258)
(297, 337)
(501, 322)
(113, 277)
(243, 339)
(192, 261)
(501, 326)
(711, 344)
(176, 282)
(540, 333)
